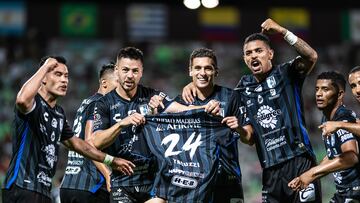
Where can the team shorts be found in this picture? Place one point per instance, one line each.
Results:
(131, 194)
(19, 195)
(276, 178)
(82, 196)
(228, 188)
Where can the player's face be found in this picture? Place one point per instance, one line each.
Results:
(354, 81)
(326, 94)
(202, 72)
(258, 56)
(129, 73)
(56, 81)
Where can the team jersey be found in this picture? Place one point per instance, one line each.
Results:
(186, 146)
(80, 172)
(129, 145)
(229, 154)
(347, 178)
(36, 145)
(275, 110)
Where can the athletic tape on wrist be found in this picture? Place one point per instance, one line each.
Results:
(290, 38)
(108, 160)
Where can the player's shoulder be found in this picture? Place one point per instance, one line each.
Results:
(345, 114)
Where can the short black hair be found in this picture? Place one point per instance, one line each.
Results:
(337, 79)
(131, 53)
(203, 52)
(106, 69)
(355, 69)
(59, 59)
(258, 36)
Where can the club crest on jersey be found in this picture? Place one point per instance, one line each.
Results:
(184, 182)
(271, 82)
(267, 116)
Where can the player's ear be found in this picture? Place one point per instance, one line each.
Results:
(216, 71)
(271, 54)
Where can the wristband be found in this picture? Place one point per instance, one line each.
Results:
(290, 38)
(108, 160)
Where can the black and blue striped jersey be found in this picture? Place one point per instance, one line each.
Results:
(186, 146)
(36, 140)
(229, 159)
(129, 144)
(80, 172)
(347, 178)
(274, 108)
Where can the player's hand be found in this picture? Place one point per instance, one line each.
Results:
(329, 127)
(302, 181)
(155, 102)
(231, 122)
(122, 165)
(50, 64)
(134, 119)
(213, 107)
(188, 93)
(271, 27)
(108, 183)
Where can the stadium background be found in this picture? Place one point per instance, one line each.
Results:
(89, 34)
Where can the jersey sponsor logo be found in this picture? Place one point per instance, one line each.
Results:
(50, 154)
(54, 123)
(52, 136)
(184, 182)
(273, 143)
(260, 99)
(46, 116)
(117, 117)
(271, 82)
(338, 177)
(307, 194)
(258, 88)
(43, 178)
(266, 116)
(186, 173)
(43, 129)
(72, 170)
(272, 92)
(247, 91)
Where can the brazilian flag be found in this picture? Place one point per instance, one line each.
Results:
(78, 19)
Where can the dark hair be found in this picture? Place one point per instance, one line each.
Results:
(337, 79)
(355, 69)
(59, 59)
(131, 53)
(203, 52)
(106, 69)
(258, 36)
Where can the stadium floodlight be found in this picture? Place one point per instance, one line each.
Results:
(192, 4)
(210, 3)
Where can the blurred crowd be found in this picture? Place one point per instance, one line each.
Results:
(165, 68)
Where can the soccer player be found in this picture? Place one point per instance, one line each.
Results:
(39, 125)
(271, 101)
(85, 180)
(330, 127)
(203, 69)
(116, 117)
(341, 146)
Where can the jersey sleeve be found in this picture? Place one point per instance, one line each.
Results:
(67, 132)
(344, 135)
(237, 108)
(90, 112)
(101, 116)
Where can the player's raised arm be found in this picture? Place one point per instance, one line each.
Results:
(306, 62)
(25, 97)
